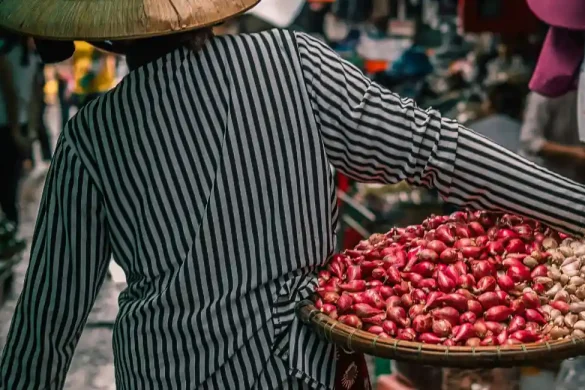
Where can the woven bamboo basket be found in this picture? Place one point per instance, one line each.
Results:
(437, 355)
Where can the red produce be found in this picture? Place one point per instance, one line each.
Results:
(442, 328)
(328, 296)
(446, 313)
(480, 328)
(416, 310)
(325, 275)
(506, 234)
(402, 288)
(505, 282)
(481, 269)
(512, 261)
(374, 283)
(353, 286)
(395, 261)
(329, 288)
(422, 323)
(446, 234)
(344, 303)
(430, 338)
(375, 299)
(437, 246)
(412, 277)
(451, 271)
(448, 256)
(517, 306)
(319, 303)
(539, 288)
(351, 320)
(561, 306)
(428, 284)
(530, 300)
(407, 300)
(496, 247)
(379, 273)
(473, 342)
(466, 281)
(375, 329)
(372, 254)
(353, 272)
(393, 276)
(337, 268)
(364, 310)
(455, 300)
(445, 283)
(458, 216)
(519, 273)
(474, 307)
(461, 267)
(482, 241)
(524, 231)
(387, 252)
(432, 299)
(489, 300)
(487, 283)
(393, 301)
(476, 228)
(502, 338)
(525, 336)
(424, 268)
(515, 245)
(368, 266)
(377, 319)
(465, 332)
(517, 323)
(398, 315)
(488, 342)
(411, 258)
(385, 291)
(349, 252)
(464, 242)
(498, 313)
(428, 255)
(494, 327)
(418, 296)
(532, 326)
(539, 270)
(465, 293)
(471, 252)
(390, 327)
(535, 316)
(449, 343)
(406, 334)
(468, 317)
(503, 297)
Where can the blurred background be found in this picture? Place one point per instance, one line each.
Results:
(469, 59)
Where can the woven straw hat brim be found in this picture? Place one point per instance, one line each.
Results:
(114, 19)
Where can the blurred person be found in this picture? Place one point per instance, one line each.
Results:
(207, 173)
(550, 134)
(94, 73)
(19, 110)
(507, 66)
(501, 111)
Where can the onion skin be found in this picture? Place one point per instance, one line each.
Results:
(474, 307)
(487, 283)
(472, 252)
(517, 306)
(393, 276)
(351, 320)
(401, 288)
(398, 315)
(455, 300)
(422, 323)
(476, 228)
(496, 247)
(516, 323)
(468, 317)
(385, 291)
(353, 272)
(406, 334)
(430, 338)
(532, 326)
(481, 269)
(461, 267)
(464, 242)
(519, 273)
(329, 296)
(498, 313)
(515, 245)
(465, 332)
(505, 282)
(447, 313)
(379, 273)
(502, 337)
(377, 319)
(488, 341)
(336, 268)
(445, 283)
(424, 268)
(344, 303)
(489, 300)
(495, 327)
(432, 300)
(416, 310)
(437, 246)
(535, 316)
(390, 327)
(561, 306)
(446, 234)
(480, 328)
(393, 301)
(465, 293)
(525, 336)
(448, 256)
(353, 286)
(407, 300)
(364, 310)
(540, 270)
(442, 328)
(374, 329)
(428, 255)
(531, 300)
(466, 281)
(449, 343)
(427, 284)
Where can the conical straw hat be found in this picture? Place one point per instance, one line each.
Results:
(114, 19)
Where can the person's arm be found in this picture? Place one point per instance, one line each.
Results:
(537, 117)
(10, 95)
(68, 263)
(372, 135)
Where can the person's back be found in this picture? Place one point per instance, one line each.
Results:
(501, 129)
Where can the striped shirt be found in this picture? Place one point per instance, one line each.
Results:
(207, 175)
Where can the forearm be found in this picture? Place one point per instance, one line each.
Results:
(485, 175)
(555, 150)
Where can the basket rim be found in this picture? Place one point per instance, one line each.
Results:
(438, 355)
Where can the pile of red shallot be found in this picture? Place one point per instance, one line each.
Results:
(472, 278)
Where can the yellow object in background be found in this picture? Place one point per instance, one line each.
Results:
(87, 60)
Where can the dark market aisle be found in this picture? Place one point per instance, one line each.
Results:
(93, 364)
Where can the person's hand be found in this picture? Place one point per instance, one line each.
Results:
(579, 153)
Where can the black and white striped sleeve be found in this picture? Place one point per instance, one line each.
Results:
(373, 135)
(69, 259)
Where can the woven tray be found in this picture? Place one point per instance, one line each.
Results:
(437, 355)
